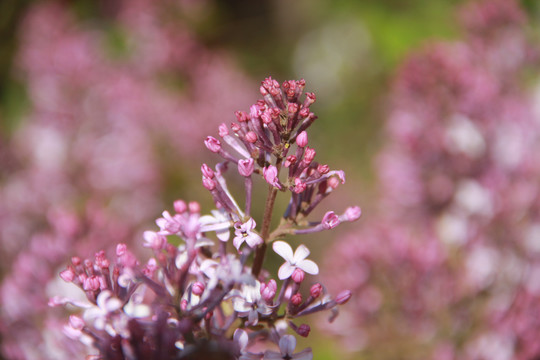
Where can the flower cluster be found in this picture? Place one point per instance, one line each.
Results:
(196, 297)
(449, 268)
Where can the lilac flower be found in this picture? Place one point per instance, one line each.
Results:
(243, 232)
(296, 261)
(270, 175)
(287, 344)
(249, 302)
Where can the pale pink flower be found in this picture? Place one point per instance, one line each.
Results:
(294, 261)
(244, 232)
(287, 344)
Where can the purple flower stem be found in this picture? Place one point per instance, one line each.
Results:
(249, 187)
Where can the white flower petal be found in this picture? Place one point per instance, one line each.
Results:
(301, 253)
(287, 343)
(285, 271)
(284, 250)
(241, 338)
(309, 266)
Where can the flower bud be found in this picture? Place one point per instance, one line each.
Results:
(291, 159)
(302, 139)
(223, 131)
(303, 330)
(180, 206)
(91, 283)
(212, 144)
(197, 288)
(343, 297)
(207, 171)
(309, 155)
(246, 167)
(352, 213)
(315, 290)
(330, 220)
(268, 291)
(241, 116)
(296, 299)
(194, 207)
(323, 169)
(67, 275)
(76, 322)
(209, 184)
(298, 275)
(251, 137)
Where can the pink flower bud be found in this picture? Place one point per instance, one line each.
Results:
(67, 275)
(343, 297)
(223, 131)
(263, 91)
(209, 184)
(76, 322)
(194, 207)
(299, 186)
(298, 275)
(268, 291)
(292, 108)
(266, 117)
(76, 260)
(296, 299)
(180, 206)
(212, 144)
(309, 155)
(333, 182)
(303, 113)
(323, 169)
(302, 139)
(254, 111)
(183, 304)
(207, 171)
(91, 283)
(310, 99)
(270, 175)
(330, 220)
(246, 167)
(251, 137)
(316, 290)
(352, 213)
(235, 127)
(303, 330)
(197, 288)
(241, 116)
(291, 159)
(121, 249)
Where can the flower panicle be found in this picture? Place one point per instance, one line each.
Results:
(196, 294)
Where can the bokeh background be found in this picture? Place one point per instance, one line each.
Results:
(104, 106)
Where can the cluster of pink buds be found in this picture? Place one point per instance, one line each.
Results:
(204, 298)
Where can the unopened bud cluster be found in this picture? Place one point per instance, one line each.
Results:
(206, 298)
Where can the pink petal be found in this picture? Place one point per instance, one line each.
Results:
(284, 250)
(309, 266)
(241, 338)
(285, 271)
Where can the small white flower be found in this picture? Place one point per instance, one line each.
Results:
(249, 303)
(243, 232)
(296, 261)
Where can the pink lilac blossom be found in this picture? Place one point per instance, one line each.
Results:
(447, 268)
(84, 165)
(178, 305)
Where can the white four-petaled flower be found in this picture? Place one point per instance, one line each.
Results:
(296, 261)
